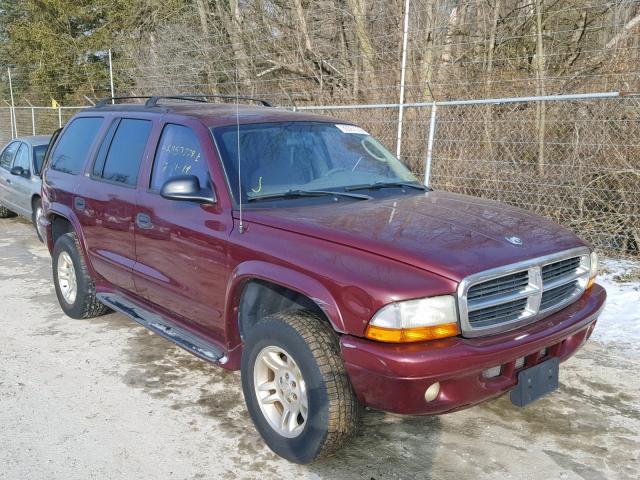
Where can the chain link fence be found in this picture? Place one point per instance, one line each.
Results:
(32, 120)
(573, 158)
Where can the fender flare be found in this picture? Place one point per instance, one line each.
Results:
(279, 275)
(66, 213)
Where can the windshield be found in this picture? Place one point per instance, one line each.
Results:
(289, 156)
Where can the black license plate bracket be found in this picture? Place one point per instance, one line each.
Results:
(536, 382)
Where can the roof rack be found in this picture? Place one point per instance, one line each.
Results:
(153, 101)
(107, 100)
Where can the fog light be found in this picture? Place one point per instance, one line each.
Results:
(492, 372)
(519, 363)
(432, 392)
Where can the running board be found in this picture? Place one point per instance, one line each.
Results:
(160, 325)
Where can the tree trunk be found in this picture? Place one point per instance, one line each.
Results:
(232, 22)
(302, 22)
(358, 10)
(426, 62)
(203, 15)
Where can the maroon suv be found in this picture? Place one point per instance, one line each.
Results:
(296, 248)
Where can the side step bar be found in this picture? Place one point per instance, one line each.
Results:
(160, 325)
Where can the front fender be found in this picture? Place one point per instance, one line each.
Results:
(286, 277)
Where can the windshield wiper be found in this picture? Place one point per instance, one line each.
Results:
(379, 185)
(308, 193)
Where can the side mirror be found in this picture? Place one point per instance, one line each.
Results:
(187, 188)
(19, 171)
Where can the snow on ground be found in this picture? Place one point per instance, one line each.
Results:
(619, 323)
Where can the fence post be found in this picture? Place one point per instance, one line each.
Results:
(59, 116)
(405, 36)
(33, 120)
(14, 122)
(10, 117)
(110, 77)
(432, 130)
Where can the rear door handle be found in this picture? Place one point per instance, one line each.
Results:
(144, 221)
(8, 181)
(79, 203)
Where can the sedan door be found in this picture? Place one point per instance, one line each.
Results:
(21, 185)
(181, 246)
(6, 179)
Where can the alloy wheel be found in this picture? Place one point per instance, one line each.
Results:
(281, 391)
(67, 278)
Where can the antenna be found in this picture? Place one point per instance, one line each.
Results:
(241, 226)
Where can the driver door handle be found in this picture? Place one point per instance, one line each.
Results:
(144, 221)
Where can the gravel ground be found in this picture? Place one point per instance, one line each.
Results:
(104, 398)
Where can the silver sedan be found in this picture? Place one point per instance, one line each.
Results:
(20, 164)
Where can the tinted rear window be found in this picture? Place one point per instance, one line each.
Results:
(74, 144)
(125, 154)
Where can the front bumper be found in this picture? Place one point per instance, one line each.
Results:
(394, 377)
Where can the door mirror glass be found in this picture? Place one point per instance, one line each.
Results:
(187, 188)
(19, 171)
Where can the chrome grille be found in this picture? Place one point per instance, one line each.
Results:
(505, 298)
(498, 313)
(557, 295)
(499, 285)
(560, 269)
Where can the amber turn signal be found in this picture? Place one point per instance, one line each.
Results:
(417, 334)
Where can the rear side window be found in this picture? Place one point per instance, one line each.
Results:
(98, 166)
(38, 157)
(125, 153)
(7, 155)
(178, 153)
(73, 146)
(22, 158)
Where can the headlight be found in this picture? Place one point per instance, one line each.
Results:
(593, 269)
(415, 320)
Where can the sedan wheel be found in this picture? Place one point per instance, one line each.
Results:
(42, 233)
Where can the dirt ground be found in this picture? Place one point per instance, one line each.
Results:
(106, 399)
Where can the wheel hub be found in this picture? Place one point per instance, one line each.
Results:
(67, 281)
(281, 391)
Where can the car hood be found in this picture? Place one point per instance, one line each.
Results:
(448, 234)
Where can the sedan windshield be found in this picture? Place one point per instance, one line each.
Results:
(278, 158)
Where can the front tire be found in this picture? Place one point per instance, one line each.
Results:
(296, 388)
(75, 288)
(35, 218)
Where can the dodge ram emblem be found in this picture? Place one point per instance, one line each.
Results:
(514, 240)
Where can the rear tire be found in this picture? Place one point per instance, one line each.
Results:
(5, 212)
(75, 288)
(307, 377)
(35, 216)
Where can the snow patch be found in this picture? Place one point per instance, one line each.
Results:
(619, 322)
